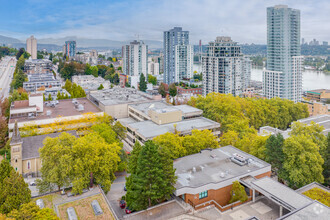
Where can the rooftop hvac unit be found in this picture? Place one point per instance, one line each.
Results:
(238, 159)
(49, 112)
(80, 107)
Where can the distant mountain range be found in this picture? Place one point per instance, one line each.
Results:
(57, 43)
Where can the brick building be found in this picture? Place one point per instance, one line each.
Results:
(206, 178)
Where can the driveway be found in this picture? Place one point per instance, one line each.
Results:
(116, 192)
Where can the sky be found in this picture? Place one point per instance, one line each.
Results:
(123, 20)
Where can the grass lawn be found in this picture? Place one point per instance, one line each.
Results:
(48, 200)
(319, 195)
(84, 208)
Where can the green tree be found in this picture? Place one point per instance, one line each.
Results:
(32, 211)
(152, 79)
(143, 83)
(68, 86)
(20, 53)
(303, 162)
(162, 90)
(326, 166)
(5, 170)
(199, 140)
(133, 159)
(49, 97)
(94, 161)
(237, 193)
(172, 90)
(274, 152)
(94, 71)
(56, 156)
(153, 181)
(100, 87)
(171, 144)
(13, 192)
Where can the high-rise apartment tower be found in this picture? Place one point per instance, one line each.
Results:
(225, 69)
(31, 47)
(178, 55)
(283, 75)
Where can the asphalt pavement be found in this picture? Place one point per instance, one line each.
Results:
(7, 68)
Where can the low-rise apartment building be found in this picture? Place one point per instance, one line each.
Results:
(38, 66)
(38, 81)
(319, 95)
(90, 82)
(317, 108)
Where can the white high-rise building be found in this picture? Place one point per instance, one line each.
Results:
(178, 55)
(135, 61)
(283, 75)
(31, 47)
(225, 69)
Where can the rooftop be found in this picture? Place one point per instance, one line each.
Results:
(37, 61)
(319, 91)
(31, 145)
(160, 106)
(64, 108)
(323, 120)
(311, 211)
(20, 104)
(149, 129)
(214, 166)
(281, 193)
(119, 95)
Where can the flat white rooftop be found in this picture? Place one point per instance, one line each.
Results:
(214, 166)
(313, 211)
(282, 194)
(150, 129)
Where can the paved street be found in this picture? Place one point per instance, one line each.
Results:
(115, 194)
(7, 68)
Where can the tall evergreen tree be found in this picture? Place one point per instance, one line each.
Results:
(153, 180)
(13, 192)
(143, 83)
(274, 152)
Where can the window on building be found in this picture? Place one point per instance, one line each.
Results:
(29, 165)
(203, 195)
(15, 160)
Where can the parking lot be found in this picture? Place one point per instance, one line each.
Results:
(116, 192)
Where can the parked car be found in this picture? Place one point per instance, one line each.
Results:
(33, 183)
(128, 210)
(125, 188)
(70, 194)
(122, 204)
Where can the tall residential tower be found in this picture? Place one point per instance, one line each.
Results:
(225, 69)
(135, 61)
(178, 55)
(283, 75)
(31, 47)
(70, 48)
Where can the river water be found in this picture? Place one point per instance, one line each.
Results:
(311, 79)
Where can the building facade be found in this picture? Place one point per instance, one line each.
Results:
(38, 66)
(225, 69)
(70, 48)
(283, 75)
(178, 55)
(31, 47)
(135, 61)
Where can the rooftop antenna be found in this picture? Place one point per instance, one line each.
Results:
(137, 36)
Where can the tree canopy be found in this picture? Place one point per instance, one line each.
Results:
(32, 211)
(152, 180)
(172, 90)
(237, 193)
(13, 190)
(142, 83)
